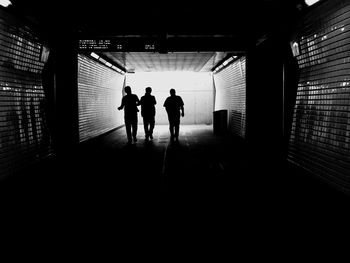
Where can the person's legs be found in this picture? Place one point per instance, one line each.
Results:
(176, 124)
(151, 126)
(145, 126)
(171, 127)
(177, 129)
(172, 132)
(134, 128)
(128, 129)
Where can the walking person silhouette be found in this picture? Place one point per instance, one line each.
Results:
(173, 105)
(148, 112)
(129, 104)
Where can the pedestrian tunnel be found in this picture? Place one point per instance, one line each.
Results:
(102, 76)
(284, 89)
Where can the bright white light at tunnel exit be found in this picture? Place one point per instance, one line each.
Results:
(195, 88)
(311, 2)
(179, 80)
(5, 3)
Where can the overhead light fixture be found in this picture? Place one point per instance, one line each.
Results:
(5, 3)
(118, 69)
(102, 60)
(311, 2)
(224, 63)
(94, 55)
(108, 64)
(228, 60)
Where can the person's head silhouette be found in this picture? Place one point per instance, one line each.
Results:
(172, 92)
(148, 90)
(127, 90)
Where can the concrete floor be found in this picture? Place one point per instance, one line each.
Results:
(200, 165)
(216, 176)
(206, 188)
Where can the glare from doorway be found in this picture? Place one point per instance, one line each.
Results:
(195, 88)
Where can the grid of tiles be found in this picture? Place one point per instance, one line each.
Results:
(320, 137)
(99, 93)
(24, 134)
(230, 84)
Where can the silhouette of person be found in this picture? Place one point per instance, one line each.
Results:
(148, 112)
(129, 104)
(173, 105)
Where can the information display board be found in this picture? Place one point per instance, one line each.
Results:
(116, 44)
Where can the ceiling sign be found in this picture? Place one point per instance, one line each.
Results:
(98, 44)
(114, 44)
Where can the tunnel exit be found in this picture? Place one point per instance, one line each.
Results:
(195, 89)
(206, 82)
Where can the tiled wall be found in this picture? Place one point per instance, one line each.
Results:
(24, 133)
(320, 138)
(100, 93)
(230, 85)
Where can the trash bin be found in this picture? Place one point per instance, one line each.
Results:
(220, 121)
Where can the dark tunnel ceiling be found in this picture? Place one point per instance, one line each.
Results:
(243, 18)
(242, 22)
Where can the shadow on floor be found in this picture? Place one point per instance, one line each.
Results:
(201, 171)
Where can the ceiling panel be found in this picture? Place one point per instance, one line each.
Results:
(175, 61)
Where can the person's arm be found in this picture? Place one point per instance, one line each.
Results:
(121, 105)
(138, 102)
(165, 105)
(182, 107)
